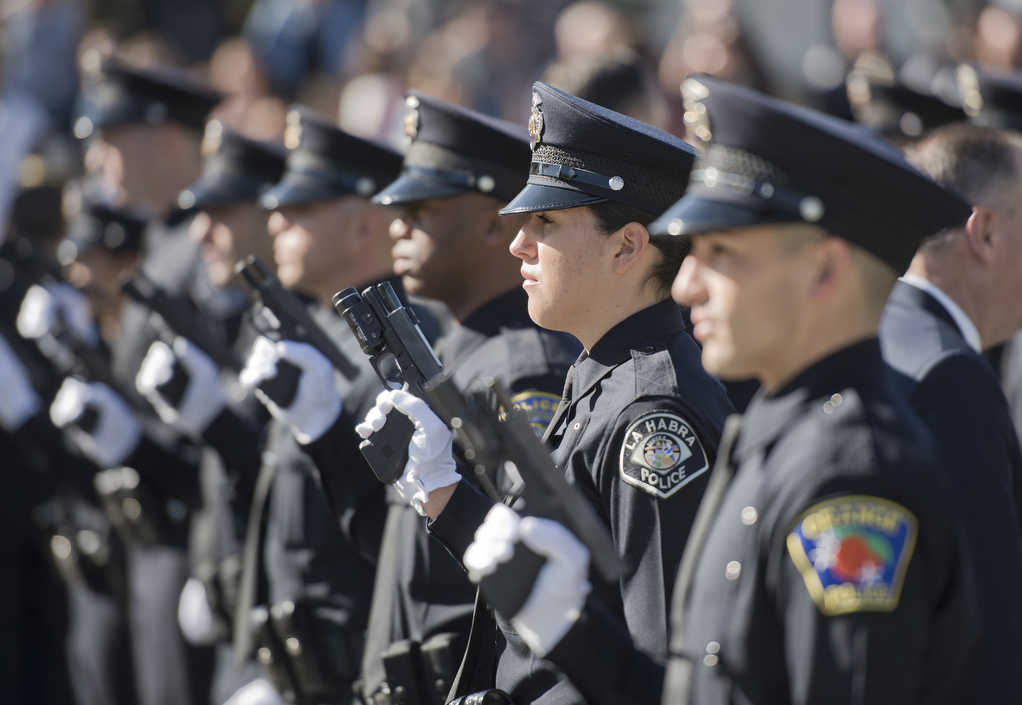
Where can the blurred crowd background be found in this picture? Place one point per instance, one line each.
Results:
(354, 58)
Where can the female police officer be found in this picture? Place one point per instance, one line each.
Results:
(639, 423)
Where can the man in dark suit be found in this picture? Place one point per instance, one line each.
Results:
(962, 294)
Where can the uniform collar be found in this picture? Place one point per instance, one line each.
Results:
(958, 316)
(638, 331)
(767, 416)
(509, 310)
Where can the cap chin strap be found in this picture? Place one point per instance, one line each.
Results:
(464, 179)
(563, 172)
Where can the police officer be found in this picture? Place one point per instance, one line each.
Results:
(959, 298)
(450, 244)
(228, 224)
(827, 543)
(312, 573)
(638, 424)
(145, 130)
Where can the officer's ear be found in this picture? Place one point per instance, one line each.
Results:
(632, 243)
(832, 258)
(368, 224)
(981, 233)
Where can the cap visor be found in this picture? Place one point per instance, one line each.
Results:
(410, 188)
(693, 215)
(535, 198)
(222, 190)
(291, 192)
(113, 115)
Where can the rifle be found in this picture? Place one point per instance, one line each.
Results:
(287, 314)
(180, 319)
(388, 333)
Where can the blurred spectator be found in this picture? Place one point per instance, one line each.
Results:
(295, 38)
(590, 28)
(248, 107)
(39, 42)
(619, 82)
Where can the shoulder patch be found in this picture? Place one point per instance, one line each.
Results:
(853, 552)
(661, 454)
(538, 407)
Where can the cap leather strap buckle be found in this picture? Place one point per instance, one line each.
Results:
(563, 172)
(784, 198)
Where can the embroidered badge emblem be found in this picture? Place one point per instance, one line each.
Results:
(538, 407)
(661, 454)
(536, 121)
(852, 553)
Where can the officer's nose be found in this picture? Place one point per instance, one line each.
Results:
(277, 223)
(201, 229)
(688, 288)
(524, 245)
(399, 229)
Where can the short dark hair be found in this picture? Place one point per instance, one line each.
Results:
(611, 216)
(972, 161)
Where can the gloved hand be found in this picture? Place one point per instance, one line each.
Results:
(314, 404)
(98, 421)
(43, 306)
(18, 399)
(561, 587)
(202, 399)
(257, 692)
(430, 456)
(194, 615)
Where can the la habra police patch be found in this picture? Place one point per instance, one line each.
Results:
(853, 552)
(538, 407)
(661, 454)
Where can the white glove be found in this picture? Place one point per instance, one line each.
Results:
(560, 590)
(117, 432)
(42, 306)
(194, 615)
(18, 399)
(257, 692)
(203, 399)
(430, 457)
(317, 403)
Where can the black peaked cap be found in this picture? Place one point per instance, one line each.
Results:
(772, 162)
(241, 170)
(585, 154)
(324, 162)
(118, 95)
(99, 225)
(899, 110)
(454, 150)
(992, 99)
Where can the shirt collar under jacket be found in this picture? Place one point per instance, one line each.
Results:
(767, 416)
(639, 331)
(961, 319)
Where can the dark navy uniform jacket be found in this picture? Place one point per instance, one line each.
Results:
(833, 570)
(638, 438)
(958, 397)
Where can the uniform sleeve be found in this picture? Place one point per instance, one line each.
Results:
(357, 498)
(600, 657)
(872, 591)
(651, 476)
(237, 440)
